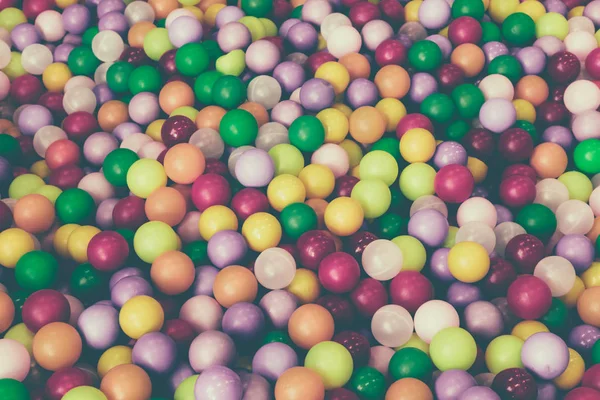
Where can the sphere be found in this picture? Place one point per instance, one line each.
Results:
(126, 381)
(172, 272)
(547, 364)
(453, 348)
(529, 297)
(433, 317)
(453, 383)
(18, 366)
(56, 345)
(44, 307)
(99, 326)
(300, 383)
(309, 325)
(141, 315)
(332, 362)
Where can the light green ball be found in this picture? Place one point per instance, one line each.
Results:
(413, 252)
(287, 158)
(453, 348)
(416, 180)
(504, 352)
(580, 186)
(23, 185)
(185, 390)
(381, 165)
(157, 43)
(332, 362)
(374, 197)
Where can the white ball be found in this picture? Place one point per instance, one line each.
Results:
(79, 99)
(574, 217)
(139, 11)
(50, 26)
(344, 40)
(477, 232)
(581, 96)
(270, 135)
(5, 54)
(558, 273)
(100, 73)
(551, 193)
(209, 142)
(275, 268)
(264, 90)
(108, 46)
(432, 317)
(79, 81)
(45, 136)
(333, 21)
(504, 233)
(581, 44)
(392, 325)
(497, 86)
(35, 58)
(178, 12)
(382, 260)
(235, 156)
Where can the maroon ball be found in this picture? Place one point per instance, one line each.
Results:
(517, 191)
(363, 12)
(44, 307)
(369, 296)
(107, 251)
(79, 125)
(290, 248)
(340, 308)
(583, 393)
(53, 101)
(179, 330)
(129, 213)
(344, 185)
(177, 129)
(27, 149)
(314, 246)
(552, 113)
(277, 41)
(454, 183)
(6, 217)
(591, 377)
(592, 64)
(563, 67)
(7, 3)
(341, 394)
(392, 12)
(520, 169)
(524, 252)
(26, 89)
(357, 243)
(66, 379)
(339, 272)
(66, 177)
(464, 30)
(499, 277)
(515, 384)
(515, 145)
(281, 10)
(410, 289)
(210, 190)
(529, 297)
(557, 93)
(479, 143)
(135, 56)
(166, 63)
(33, 8)
(249, 201)
(390, 51)
(411, 121)
(357, 345)
(314, 61)
(450, 76)
(215, 166)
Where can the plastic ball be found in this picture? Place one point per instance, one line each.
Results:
(453, 348)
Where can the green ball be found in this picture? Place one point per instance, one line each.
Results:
(388, 144)
(368, 383)
(587, 156)
(213, 49)
(468, 8)
(296, 12)
(307, 133)
(468, 99)
(144, 79)
(596, 352)
(239, 128)
(491, 32)
(36, 270)
(508, 66)
(74, 206)
(518, 29)
(197, 251)
(161, 23)
(87, 283)
(278, 337)
(425, 55)
(374, 197)
(298, 218)
(89, 35)
(257, 8)
(10, 148)
(116, 164)
(192, 59)
(457, 130)
(529, 128)
(228, 92)
(391, 225)
(203, 86)
(82, 61)
(556, 317)
(128, 234)
(117, 76)
(438, 107)
(537, 220)
(410, 362)
(11, 389)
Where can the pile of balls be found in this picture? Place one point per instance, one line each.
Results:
(299, 200)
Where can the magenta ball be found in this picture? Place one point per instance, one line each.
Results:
(411, 121)
(464, 30)
(410, 289)
(454, 183)
(314, 246)
(249, 201)
(107, 251)
(65, 379)
(339, 272)
(210, 190)
(390, 52)
(44, 307)
(129, 213)
(517, 191)
(529, 297)
(369, 296)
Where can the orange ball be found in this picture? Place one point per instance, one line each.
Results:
(533, 89)
(595, 231)
(204, 4)
(469, 58)
(299, 383)
(138, 32)
(392, 81)
(175, 94)
(235, 284)
(126, 382)
(173, 272)
(257, 110)
(319, 206)
(56, 345)
(184, 163)
(588, 306)
(310, 324)
(111, 114)
(358, 66)
(34, 213)
(162, 8)
(7, 312)
(167, 205)
(210, 117)
(408, 389)
(367, 125)
(549, 160)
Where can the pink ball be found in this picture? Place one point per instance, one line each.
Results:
(15, 361)
(187, 229)
(209, 318)
(263, 56)
(454, 183)
(210, 190)
(410, 289)
(339, 272)
(375, 32)
(97, 186)
(477, 209)
(333, 156)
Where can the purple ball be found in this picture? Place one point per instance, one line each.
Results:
(479, 393)
(483, 320)
(448, 153)
(34, 117)
(429, 226)
(226, 248)
(205, 278)
(546, 391)
(493, 50)
(578, 249)
(228, 14)
(73, 39)
(279, 305)
(129, 287)
(125, 129)
(254, 168)
(243, 321)
(559, 135)
(545, 354)
(155, 352)
(113, 21)
(233, 36)
(592, 11)
(273, 359)
(443, 43)
(290, 75)
(103, 93)
(582, 338)
(62, 51)
(434, 14)
(510, 319)
(179, 374)
(361, 92)
(497, 115)
(503, 213)
(316, 94)
(122, 274)
(287, 25)
(185, 29)
(218, 382)
(556, 6)
(532, 59)
(439, 265)
(421, 86)
(262, 56)
(303, 37)
(99, 326)
(452, 383)
(144, 108)
(97, 146)
(211, 348)
(23, 35)
(462, 294)
(286, 112)
(255, 387)
(106, 6)
(104, 218)
(76, 18)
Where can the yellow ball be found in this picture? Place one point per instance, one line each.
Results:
(262, 231)
(573, 374)
(14, 242)
(576, 12)
(23, 185)
(55, 77)
(450, 238)
(414, 254)
(591, 276)
(500, 9)
(186, 111)
(344, 216)
(78, 241)
(215, 219)
(444, 32)
(153, 239)
(145, 176)
(478, 169)
(65, 3)
(343, 108)
(411, 10)
(14, 69)
(334, 73)
(210, 15)
(318, 180)
(533, 8)
(21, 334)
(525, 110)
(196, 11)
(141, 315)
(61, 238)
(321, 42)
(256, 28)
(394, 111)
(189, 2)
(153, 130)
(415, 342)
(468, 262)
(40, 168)
(355, 152)
(50, 192)
(270, 27)
(597, 36)
(11, 17)
(524, 329)
(117, 355)
(335, 124)
(570, 299)
(284, 190)
(305, 286)
(417, 145)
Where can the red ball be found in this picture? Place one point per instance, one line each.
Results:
(26, 89)
(517, 191)
(33, 8)
(515, 384)
(62, 152)
(591, 377)
(363, 12)
(66, 177)
(166, 63)
(66, 379)
(249, 201)
(390, 51)
(450, 76)
(583, 393)
(552, 113)
(210, 190)
(79, 125)
(341, 394)
(107, 251)
(314, 246)
(520, 169)
(410, 289)
(529, 297)
(411, 121)
(135, 56)
(339, 272)
(592, 64)
(7, 3)
(392, 11)
(357, 345)
(277, 41)
(524, 252)
(563, 67)
(314, 61)
(44, 307)
(177, 129)
(27, 149)
(179, 330)
(454, 183)
(340, 308)
(344, 185)
(479, 143)
(515, 145)
(465, 30)
(369, 296)
(499, 277)
(281, 10)
(358, 242)
(129, 213)
(53, 101)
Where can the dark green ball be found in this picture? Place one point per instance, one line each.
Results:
(388, 144)
(391, 225)
(556, 317)
(239, 128)
(410, 362)
(203, 86)
(538, 220)
(257, 8)
(518, 29)
(587, 156)
(298, 218)
(36, 270)
(368, 383)
(75, 206)
(438, 107)
(508, 66)
(457, 130)
(82, 61)
(192, 59)
(144, 79)
(468, 8)
(10, 148)
(307, 133)
(529, 128)
(425, 55)
(596, 352)
(87, 283)
(278, 337)
(468, 99)
(116, 164)
(197, 251)
(117, 76)
(491, 32)
(229, 92)
(11, 389)
(89, 35)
